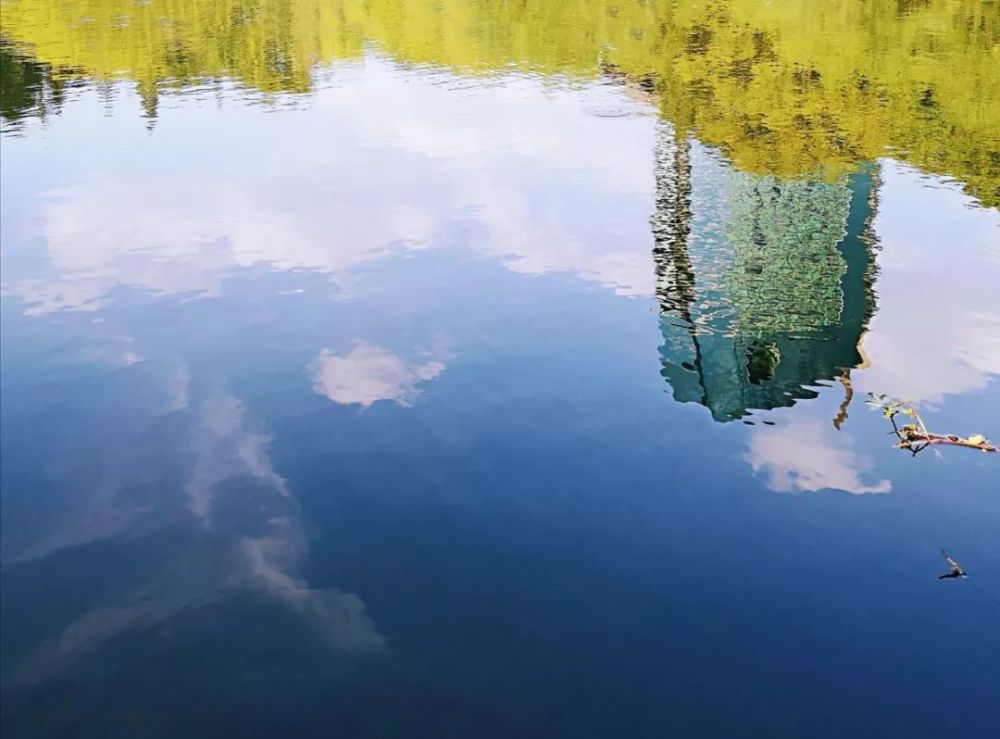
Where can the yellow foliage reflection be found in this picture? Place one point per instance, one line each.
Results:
(786, 87)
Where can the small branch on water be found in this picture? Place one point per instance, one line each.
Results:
(914, 436)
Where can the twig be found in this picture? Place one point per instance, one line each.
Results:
(911, 434)
(916, 437)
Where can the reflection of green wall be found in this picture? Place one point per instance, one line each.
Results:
(764, 285)
(787, 268)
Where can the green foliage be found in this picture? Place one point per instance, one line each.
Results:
(787, 87)
(890, 407)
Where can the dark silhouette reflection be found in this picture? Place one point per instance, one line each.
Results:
(765, 285)
(27, 87)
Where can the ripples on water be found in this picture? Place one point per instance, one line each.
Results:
(377, 368)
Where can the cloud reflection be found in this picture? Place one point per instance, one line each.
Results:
(250, 537)
(940, 267)
(369, 374)
(805, 455)
(224, 448)
(228, 449)
(573, 196)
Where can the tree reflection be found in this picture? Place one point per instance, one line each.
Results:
(28, 88)
(784, 88)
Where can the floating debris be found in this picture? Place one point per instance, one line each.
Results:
(914, 436)
(955, 569)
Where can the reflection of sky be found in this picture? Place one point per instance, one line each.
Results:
(808, 456)
(939, 265)
(258, 549)
(356, 182)
(189, 340)
(368, 374)
(531, 173)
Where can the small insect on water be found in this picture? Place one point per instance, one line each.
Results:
(955, 569)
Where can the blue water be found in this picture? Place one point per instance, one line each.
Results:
(370, 432)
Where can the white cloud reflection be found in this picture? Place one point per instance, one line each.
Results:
(368, 374)
(805, 455)
(937, 328)
(225, 447)
(544, 188)
(228, 449)
(250, 537)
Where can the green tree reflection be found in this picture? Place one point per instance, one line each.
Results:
(788, 87)
(28, 88)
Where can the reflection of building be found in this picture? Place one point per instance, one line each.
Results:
(764, 285)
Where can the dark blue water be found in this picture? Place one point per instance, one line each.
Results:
(497, 417)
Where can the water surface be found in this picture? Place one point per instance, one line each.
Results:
(472, 368)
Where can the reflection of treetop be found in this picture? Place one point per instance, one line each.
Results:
(787, 87)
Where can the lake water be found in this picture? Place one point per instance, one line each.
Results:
(473, 368)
